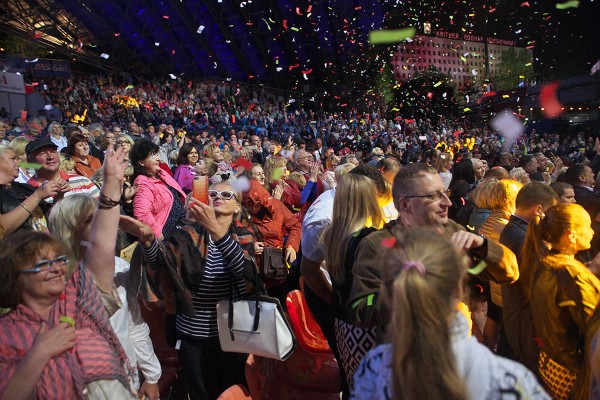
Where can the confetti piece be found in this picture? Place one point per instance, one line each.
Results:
(509, 126)
(67, 319)
(568, 4)
(242, 184)
(31, 61)
(549, 100)
(165, 17)
(525, 4)
(48, 107)
(172, 76)
(278, 172)
(438, 84)
(24, 115)
(389, 243)
(486, 95)
(28, 165)
(391, 36)
(200, 29)
(128, 87)
(104, 55)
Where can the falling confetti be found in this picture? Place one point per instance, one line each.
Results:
(391, 36)
(568, 4)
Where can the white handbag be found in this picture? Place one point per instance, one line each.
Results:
(255, 325)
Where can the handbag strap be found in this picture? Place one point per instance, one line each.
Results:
(256, 232)
(255, 323)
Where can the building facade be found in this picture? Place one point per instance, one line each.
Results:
(462, 57)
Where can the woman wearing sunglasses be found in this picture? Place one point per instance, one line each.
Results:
(57, 342)
(199, 264)
(159, 199)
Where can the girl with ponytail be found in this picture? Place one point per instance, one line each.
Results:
(430, 354)
(563, 294)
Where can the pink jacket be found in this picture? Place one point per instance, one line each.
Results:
(153, 201)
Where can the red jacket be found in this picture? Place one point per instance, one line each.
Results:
(274, 219)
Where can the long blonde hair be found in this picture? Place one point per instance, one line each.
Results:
(354, 207)
(423, 299)
(545, 232)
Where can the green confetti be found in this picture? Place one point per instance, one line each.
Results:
(438, 84)
(30, 165)
(568, 4)
(277, 173)
(391, 36)
(128, 87)
(67, 319)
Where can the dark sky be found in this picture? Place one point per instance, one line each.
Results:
(565, 41)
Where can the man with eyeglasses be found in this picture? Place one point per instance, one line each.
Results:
(420, 198)
(44, 152)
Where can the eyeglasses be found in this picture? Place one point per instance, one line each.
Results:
(122, 142)
(433, 197)
(45, 265)
(304, 158)
(225, 194)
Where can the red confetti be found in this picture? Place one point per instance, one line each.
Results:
(549, 100)
(486, 95)
(117, 34)
(308, 71)
(284, 23)
(165, 16)
(389, 243)
(242, 162)
(308, 10)
(24, 115)
(525, 4)
(298, 11)
(189, 84)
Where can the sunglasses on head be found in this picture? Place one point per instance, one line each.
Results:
(225, 194)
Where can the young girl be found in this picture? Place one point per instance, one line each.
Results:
(430, 354)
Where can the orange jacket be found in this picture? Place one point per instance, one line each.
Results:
(273, 219)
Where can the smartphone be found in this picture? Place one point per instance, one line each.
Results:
(200, 189)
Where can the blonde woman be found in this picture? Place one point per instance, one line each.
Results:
(563, 294)
(443, 165)
(18, 145)
(430, 354)
(356, 213)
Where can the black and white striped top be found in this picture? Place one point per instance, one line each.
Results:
(224, 261)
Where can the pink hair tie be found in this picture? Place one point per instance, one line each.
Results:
(416, 265)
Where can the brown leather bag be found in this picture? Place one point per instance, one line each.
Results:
(272, 264)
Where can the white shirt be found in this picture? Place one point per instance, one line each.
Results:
(317, 218)
(132, 331)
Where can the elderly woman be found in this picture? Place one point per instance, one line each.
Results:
(21, 206)
(79, 151)
(159, 200)
(271, 221)
(220, 252)
(57, 342)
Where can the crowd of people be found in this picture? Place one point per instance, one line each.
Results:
(439, 260)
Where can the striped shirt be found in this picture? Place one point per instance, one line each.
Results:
(224, 261)
(77, 184)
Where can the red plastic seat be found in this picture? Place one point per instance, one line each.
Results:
(308, 332)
